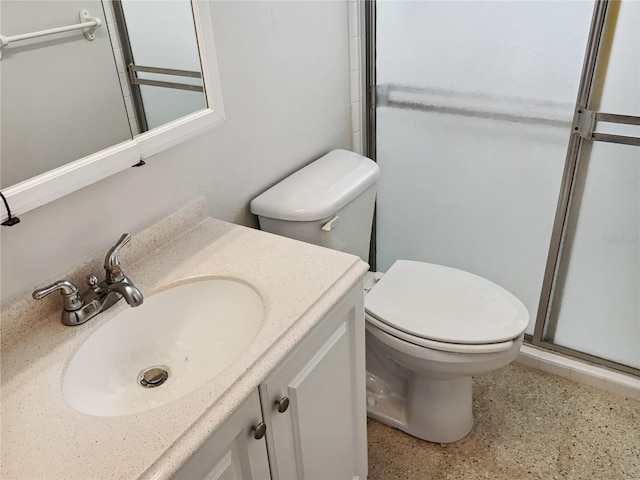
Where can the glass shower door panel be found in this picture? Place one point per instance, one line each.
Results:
(474, 107)
(596, 307)
(596, 300)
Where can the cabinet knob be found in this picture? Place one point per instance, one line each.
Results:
(283, 404)
(259, 430)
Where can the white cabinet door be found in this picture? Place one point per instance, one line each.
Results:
(322, 434)
(232, 452)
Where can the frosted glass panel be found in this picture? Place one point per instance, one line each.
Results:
(475, 100)
(596, 306)
(532, 50)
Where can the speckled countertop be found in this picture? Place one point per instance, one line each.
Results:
(43, 437)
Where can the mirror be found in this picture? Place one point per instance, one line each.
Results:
(75, 111)
(53, 110)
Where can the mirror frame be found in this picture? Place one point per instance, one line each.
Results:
(56, 183)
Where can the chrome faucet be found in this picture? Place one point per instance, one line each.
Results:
(78, 308)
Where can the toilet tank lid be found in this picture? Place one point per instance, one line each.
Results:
(318, 190)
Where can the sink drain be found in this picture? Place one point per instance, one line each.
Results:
(153, 377)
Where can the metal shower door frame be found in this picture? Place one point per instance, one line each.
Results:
(583, 130)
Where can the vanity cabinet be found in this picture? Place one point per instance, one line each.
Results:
(232, 452)
(313, 407)
(322, 433)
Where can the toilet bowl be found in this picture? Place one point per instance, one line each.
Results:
(431, 401)
(429, 328)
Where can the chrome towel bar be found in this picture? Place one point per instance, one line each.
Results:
(88, 25)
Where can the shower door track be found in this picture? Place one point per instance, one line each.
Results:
(583, 126)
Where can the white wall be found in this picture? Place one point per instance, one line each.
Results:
(285, 79)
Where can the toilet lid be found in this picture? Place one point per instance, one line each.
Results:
(446, 305)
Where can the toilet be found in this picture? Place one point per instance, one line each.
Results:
(429, 328)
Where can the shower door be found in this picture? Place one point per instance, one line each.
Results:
(474, 107)
(591, 299)
(490, 165)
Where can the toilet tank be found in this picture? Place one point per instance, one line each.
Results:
(329, 203)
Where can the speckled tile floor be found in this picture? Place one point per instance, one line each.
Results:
(529, 425)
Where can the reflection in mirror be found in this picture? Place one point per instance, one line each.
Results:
(64, 98)
(160, 51)
(60, 94)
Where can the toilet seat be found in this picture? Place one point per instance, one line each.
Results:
(441, 346)
(444, 308)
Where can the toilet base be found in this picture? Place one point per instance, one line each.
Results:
(435, 410)
(422, 391)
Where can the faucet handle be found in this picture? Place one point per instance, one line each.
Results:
(111, 262)
(71, 298)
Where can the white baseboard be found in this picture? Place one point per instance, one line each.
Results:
(580, 371)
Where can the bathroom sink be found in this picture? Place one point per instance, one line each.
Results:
(175, 342)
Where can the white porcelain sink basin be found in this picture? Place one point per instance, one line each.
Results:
(192, 331)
